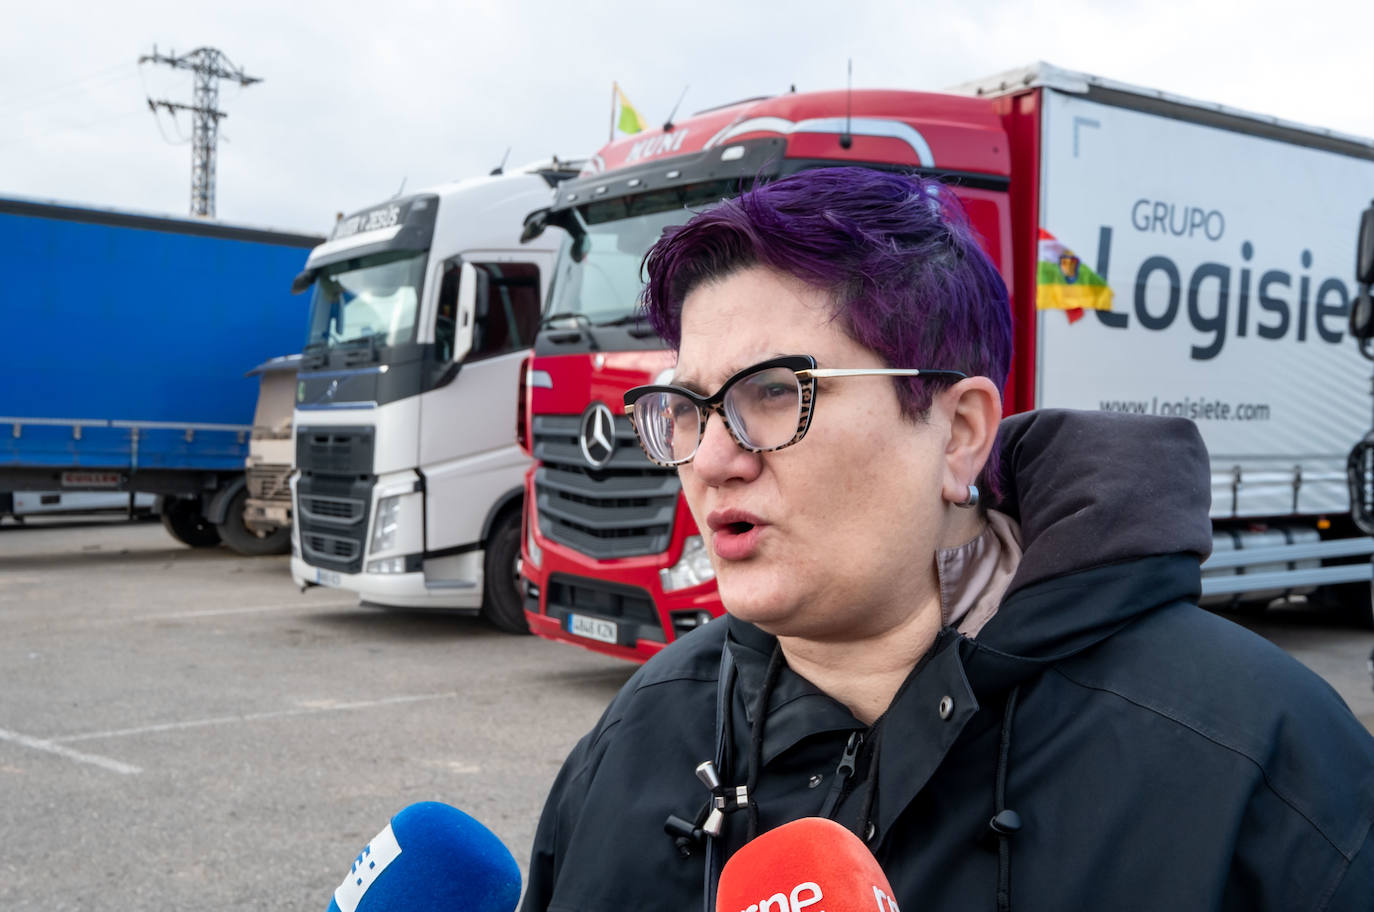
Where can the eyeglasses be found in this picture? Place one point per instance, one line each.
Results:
(765, 407)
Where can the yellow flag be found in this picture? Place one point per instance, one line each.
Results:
(630, 121)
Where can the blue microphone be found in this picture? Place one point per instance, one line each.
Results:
(431, 857)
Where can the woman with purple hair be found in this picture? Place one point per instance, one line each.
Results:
(972, 641)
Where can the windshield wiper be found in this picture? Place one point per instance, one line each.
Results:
(633, 317)
(579, 318)
(639, 327)
(582, 325)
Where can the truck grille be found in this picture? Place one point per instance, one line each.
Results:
(270, 482)
(332, 518)
(336, 450)
(625, 509)
(329, 547)
(334, 510)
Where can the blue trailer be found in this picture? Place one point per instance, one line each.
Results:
(130, 336)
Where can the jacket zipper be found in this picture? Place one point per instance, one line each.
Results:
(843, 773)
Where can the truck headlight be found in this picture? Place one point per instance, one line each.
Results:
(692, 568)
(387, 522)
(532, 549)
(387, 565)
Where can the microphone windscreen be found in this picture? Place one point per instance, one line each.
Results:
(431, 857)
(808, 864)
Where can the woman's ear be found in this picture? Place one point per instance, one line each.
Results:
(974, 408)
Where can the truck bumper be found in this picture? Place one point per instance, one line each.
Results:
(615, 608)
(396, 590)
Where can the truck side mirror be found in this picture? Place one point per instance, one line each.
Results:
(473, 288)
(535, 223)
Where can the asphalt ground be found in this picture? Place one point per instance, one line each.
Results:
(184, 729)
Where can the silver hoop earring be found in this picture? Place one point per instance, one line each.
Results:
(972, 500)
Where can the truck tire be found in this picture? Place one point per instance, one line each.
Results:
(244, 540)
(503, 599)
(182, 518)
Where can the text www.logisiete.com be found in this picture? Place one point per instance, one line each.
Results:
(1194, 409)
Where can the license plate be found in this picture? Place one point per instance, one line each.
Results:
(593, 628)
(90, 479)
(328, 578)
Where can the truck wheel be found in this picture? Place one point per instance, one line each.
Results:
(182, 518)
(503, 600)
(244, 540)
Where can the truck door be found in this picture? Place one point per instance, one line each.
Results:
(468, 452)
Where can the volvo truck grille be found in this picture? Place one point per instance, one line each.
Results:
(336, 450)
(333, 510)
(330, 547)
(333, 519)
(625, 508)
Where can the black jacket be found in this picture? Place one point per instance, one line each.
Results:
(1157, 756)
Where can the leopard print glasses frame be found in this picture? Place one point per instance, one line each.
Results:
(659, 413)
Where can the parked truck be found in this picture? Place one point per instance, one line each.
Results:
(408, 484)
(1224, 235)
(127, 375)
(271, 451)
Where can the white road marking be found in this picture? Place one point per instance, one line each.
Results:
(219, 612)
(255, 717)
(52, 747)
(86, 623)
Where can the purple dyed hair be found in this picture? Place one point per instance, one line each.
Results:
(895, 251)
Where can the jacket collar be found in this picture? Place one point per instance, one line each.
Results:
(798, 710)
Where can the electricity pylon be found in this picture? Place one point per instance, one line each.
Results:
(210, 66)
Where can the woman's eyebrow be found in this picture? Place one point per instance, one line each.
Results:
(734, 368)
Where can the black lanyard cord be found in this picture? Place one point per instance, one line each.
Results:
(770, 682)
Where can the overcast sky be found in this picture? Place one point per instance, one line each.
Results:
(357, 97)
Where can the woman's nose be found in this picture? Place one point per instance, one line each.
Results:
(719, 458)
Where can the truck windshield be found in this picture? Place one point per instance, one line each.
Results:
(372, 299)
(604, 286)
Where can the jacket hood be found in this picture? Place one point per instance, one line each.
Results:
(1114, 517)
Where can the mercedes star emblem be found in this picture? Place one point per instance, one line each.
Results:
(597, 436)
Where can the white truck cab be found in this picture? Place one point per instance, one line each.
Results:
(408, 482)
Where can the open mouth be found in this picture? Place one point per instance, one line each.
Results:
(735, 533)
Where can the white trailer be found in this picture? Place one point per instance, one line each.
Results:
(1227, 239)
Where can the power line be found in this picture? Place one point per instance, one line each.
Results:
(180, 140)
(54, 94)
(27, 139)
(210, 66)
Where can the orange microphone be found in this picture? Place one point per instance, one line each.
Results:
(809, 864)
